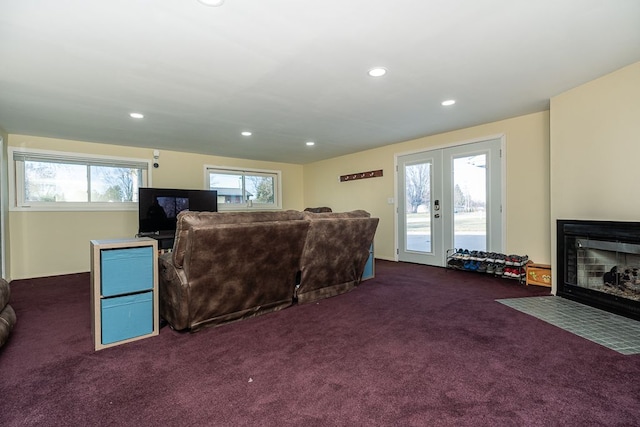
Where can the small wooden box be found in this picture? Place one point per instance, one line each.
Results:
(538, 274)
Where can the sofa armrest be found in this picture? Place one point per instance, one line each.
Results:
(173, 293)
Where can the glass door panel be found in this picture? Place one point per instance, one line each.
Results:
(417, 209)
(470, 202)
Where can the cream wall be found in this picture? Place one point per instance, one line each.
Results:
(526, 178)
(595, 150)
(53, 243)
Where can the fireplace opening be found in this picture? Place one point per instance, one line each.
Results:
(599, 264)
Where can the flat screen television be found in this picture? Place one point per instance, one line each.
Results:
(159, 207)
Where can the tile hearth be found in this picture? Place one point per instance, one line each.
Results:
(615, 332)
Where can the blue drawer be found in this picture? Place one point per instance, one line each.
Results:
(126, 317)
(124, 271)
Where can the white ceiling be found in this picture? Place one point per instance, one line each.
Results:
(292, 71)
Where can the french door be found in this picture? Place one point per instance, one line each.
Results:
(449, 198)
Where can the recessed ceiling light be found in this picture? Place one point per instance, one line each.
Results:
(136, 115)
(377, 72)
(213, 3)
(246, 133)
(448, 102)
(310, 143)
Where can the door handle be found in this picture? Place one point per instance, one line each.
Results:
(436, 216)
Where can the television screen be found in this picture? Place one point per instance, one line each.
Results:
(159, 207)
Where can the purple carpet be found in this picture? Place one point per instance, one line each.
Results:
(416, 346)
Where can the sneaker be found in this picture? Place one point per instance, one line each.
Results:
(491, 268)
(456, 264)
(500, 258)
(465, 254)
(482, 267)
(499, 270)
(491, 257)
(482, 256)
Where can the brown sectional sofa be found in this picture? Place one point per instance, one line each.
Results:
(233, 265)
(7, 315)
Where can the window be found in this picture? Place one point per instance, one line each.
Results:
(244, 188)
(46, 180)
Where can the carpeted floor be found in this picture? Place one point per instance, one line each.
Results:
(416, 346)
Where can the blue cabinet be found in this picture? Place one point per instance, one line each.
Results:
(369, 270)
(124, 291)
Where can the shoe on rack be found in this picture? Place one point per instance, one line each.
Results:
(482, 267)
(465, 254)
(499, 271)
(456, 264)
(491, 257)
(491, 268)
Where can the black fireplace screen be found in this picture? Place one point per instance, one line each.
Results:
(599, 264)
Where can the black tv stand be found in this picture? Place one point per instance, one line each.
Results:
(165, 239)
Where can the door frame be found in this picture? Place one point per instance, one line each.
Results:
(503, 184)
(4, 207)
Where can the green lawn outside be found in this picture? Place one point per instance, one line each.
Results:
(465, 222)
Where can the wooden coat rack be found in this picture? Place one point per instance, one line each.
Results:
(360, 175)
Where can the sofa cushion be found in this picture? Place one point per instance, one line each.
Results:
(188, 219)
(5, 293)
(7, 320)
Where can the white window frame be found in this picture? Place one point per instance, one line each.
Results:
(16, 179)
(250, 205)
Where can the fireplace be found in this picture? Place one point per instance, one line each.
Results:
(599, 264)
